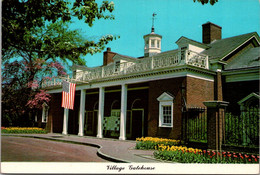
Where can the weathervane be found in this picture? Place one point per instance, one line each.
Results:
(154, 14)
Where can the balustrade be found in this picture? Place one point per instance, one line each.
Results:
(140, 65)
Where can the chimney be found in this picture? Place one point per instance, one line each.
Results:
(210, 32)
(108, 56)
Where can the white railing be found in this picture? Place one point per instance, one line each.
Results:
(196, 59)
(156, 62)
(54, 81)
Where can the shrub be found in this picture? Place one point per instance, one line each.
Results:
(23, 130)
(153, 143)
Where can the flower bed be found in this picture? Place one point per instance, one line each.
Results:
(152, 143)
(23, 130)
(189, 155)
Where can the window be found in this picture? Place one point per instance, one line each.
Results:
(115, 112)
(158, 44)
(165, 110)
(183, 50)
(146, 44)
(117, 66)
(152, 43)
(167, 113)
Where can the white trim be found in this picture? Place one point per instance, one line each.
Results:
(65, 121)
(82, 112)
(123, 112)
(206, 79)
(101, 111)
(141, 79)
(165, 99)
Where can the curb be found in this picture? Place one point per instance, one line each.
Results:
(99, 153)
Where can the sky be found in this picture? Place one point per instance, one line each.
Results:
(175, 18)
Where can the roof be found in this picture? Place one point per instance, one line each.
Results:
(252, 95)
(193, 42)
(249, 58)
(124, 57)
(152, 34)
(166, 53)
(221, 48)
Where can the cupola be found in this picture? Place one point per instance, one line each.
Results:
(152, 42)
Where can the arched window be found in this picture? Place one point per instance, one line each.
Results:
(115, 108)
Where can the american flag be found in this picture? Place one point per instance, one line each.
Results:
(68, 95)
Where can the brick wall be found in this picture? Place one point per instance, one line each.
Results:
(156, 88)
(210, 32)
(198, 91)
(108, 56)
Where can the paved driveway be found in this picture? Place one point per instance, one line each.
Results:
(37, 150)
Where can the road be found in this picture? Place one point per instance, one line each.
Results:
(16, 149)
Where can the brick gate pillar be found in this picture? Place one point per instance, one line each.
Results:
(215, 123)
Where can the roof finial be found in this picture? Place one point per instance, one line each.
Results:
(154, 14)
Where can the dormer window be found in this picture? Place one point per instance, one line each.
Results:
(183, 50)
(117, 66)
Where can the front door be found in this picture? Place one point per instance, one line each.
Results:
(137, 123)
(91, 123)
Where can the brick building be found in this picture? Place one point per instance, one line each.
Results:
(131, 97)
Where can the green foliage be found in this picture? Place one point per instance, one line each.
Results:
(212, 2)
(39, 29)
(36, 38)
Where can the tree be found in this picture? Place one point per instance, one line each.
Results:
(212, 2)
(37, 42)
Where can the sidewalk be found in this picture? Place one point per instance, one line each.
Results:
(111, 149)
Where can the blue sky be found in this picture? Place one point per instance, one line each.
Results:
(175, 18)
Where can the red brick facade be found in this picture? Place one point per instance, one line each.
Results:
(192, 90)
(198, 91)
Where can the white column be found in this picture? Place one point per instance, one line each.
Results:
(123, 112)
(82, 111)
(101, 112)
(65, 121)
